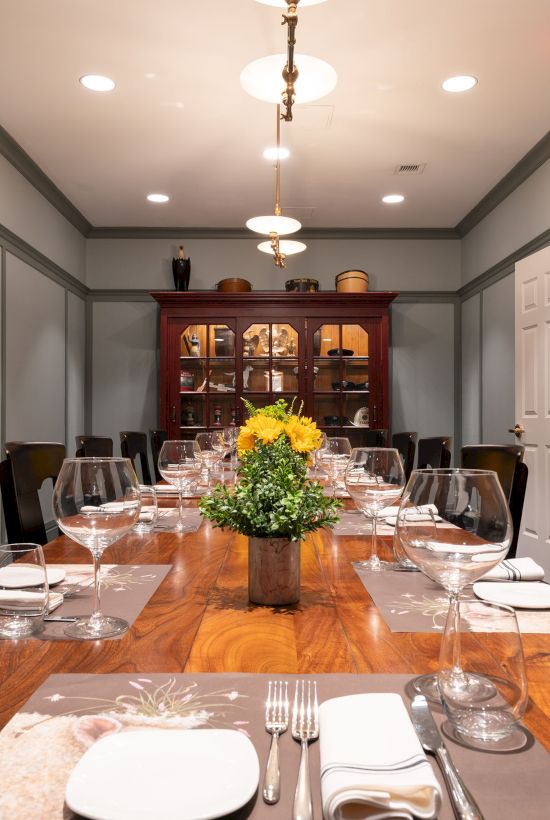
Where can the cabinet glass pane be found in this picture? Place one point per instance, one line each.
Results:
(355, 338)
(222, 411)
(193, 341)
(192, 375)
(255, 379)
(221, 376)
(192, 413)
(222, 341)
(264, 339)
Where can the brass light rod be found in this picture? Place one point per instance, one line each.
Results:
(290, 71)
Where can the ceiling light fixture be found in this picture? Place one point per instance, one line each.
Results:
(276, 225)
(286, 247)
(157, 197)
(262, 78)
(97, 82)
(393, 199)
(462, 82)
(276, 153)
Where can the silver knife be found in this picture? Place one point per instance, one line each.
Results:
(464, 805)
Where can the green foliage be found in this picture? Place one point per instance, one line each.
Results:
(273, 497)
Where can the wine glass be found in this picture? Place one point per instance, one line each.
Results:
(96, 501)
(467, 531)
(315, 453)
(178, 465)
(231, 434)
(207, 454)
(333, 459)
(221, 444)
(374, 479)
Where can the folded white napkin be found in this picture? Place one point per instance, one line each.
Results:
(21, 599)
(426, 512)
(372, 763)
(165, 489)
(515, 569)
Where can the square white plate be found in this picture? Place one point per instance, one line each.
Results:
(17, 576)
(164, 774)
(519, 594)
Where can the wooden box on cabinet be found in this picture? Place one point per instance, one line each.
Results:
(328, 350)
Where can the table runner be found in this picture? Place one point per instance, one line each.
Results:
(168, 518)
(125, 590)
(410, 602)
(42, 742)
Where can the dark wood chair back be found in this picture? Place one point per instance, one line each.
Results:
(406, 444)
(434, 452)
(376, 438)
(133, 445)
(26, 466)
(507, 462)
(94, 446)
(157, 439)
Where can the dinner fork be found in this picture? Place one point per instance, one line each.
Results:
(305, 728)
(276, 722)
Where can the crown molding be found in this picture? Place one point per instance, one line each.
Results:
(26, 166)
(527, 165)
(244, 233)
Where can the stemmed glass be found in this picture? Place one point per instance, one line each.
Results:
(333, 459)
(316, 453)
(468, 531)
(231, 434)
(221, 445)
(207, 454)
(374, 479)
(96, 501)
(178, 465)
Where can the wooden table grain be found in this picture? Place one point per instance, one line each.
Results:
(200, 620)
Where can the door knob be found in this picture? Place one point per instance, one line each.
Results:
(518, 430)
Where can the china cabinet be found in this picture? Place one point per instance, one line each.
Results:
(328, 350)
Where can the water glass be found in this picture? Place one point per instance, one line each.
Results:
(23, 590)
(486, 712)
(148, 513)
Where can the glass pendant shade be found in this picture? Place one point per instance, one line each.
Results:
(286, 246)
(284, 5)
(263, 79)
(273, 224)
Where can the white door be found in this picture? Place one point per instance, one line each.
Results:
(532, 391)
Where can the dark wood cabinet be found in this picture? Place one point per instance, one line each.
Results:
(328, 350)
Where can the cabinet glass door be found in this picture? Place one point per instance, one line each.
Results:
(270, 364)
(205, 378)
(342, 400)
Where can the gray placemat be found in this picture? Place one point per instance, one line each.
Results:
(168, 519)
(410, 602)
(42, 743)
(125, 590)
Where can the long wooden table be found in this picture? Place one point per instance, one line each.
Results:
(200, 620)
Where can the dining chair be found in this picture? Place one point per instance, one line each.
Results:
(133, 445)
(405, 443)
(94, 446)
(376, 437)
(434, 452)
(157, 439)
(26, 466)
(507, 461)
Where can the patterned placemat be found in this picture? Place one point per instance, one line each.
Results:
(125, 590)
(68, 713)
(410, 602)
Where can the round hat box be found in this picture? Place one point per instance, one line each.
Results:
(302, 285)
(234, 285)
(352, 281)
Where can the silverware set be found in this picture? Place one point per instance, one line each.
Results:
(304, 729)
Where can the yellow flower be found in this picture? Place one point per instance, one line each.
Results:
(303, 434)
(246, 440)
(266, 429)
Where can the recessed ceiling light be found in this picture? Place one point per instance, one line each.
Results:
(392, 199)
(276, 153)
(462, 82)
(263, 78)
(157, 197)
(283, 4)
(97, 82)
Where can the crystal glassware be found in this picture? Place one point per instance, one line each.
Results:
(179, 465)
(485, 636)
(96, 501)
(23, 590)
(333, 459)
(207, 454)
(465, 531)
(374, 479)
(231, 434)
(149, 509)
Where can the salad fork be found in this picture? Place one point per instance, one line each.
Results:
(276, 722)
(305, 728)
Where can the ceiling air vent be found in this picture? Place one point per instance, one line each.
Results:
(408, 168)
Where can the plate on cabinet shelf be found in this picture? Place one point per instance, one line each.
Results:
(361, 418)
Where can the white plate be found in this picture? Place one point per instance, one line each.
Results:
(519, 594)
(164, 774)
(17, 576)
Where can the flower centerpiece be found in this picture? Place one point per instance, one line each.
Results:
(273, 502)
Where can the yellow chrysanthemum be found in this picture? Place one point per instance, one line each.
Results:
(246, 440)
(303, 434)
(266, 429)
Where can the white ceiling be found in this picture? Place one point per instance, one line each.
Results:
(178, 121)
